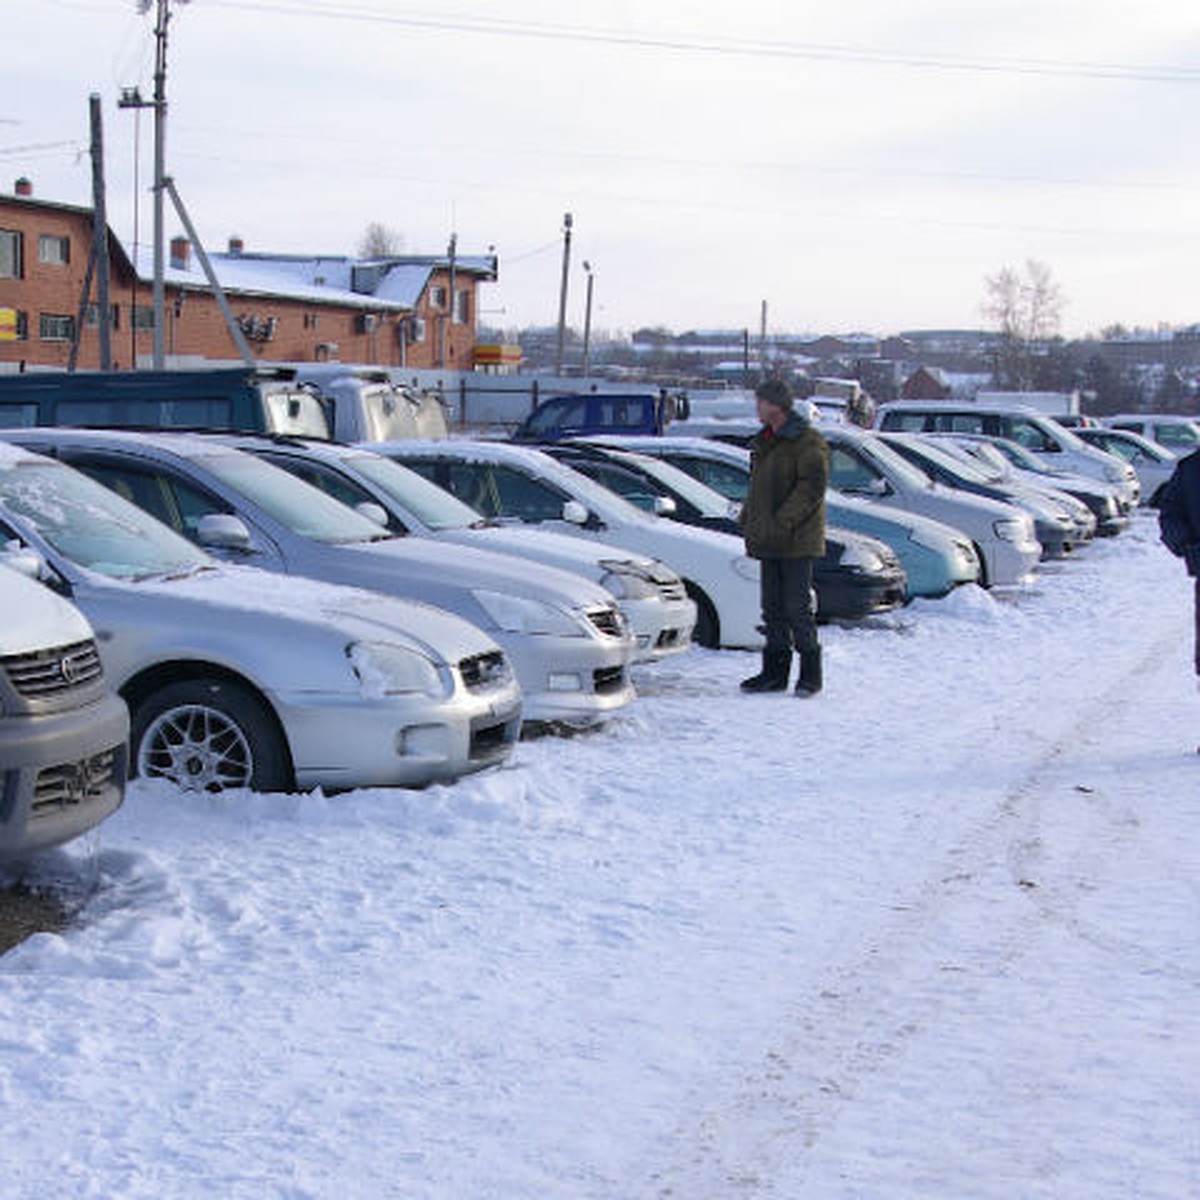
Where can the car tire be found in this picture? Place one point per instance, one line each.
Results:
(208, 735)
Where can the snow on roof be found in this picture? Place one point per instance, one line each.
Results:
(395, 284)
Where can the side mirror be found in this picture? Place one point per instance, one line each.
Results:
(223, 531)
(575, 513)
(874, 487)
(664, 506)
(373, 512)
(24, 561)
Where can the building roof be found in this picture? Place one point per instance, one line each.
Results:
(391, 284)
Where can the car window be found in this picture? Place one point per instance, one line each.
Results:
(619, 412)
(171, 500)
(848, 472)
(569, 412)
(1025, 433)
(632, 487)
(730, 480)
(325, 478)
(1175, 435)
(520, 495)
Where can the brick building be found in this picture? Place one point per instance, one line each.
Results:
(403, 310)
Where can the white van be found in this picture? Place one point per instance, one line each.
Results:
(63, 735)
(1058, 446)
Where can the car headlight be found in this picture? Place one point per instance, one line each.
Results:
(747, 568)
(861, 558)
(389, 669)
(518, 614)
(626, 583)
(1014, 529)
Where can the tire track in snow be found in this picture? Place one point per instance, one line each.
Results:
(860, 1017)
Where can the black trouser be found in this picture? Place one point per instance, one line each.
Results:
(1197, 652)
(787, 607)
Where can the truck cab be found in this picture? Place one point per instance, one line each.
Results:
(596, 413)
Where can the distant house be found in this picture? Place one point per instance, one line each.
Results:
(926, 383)
(404, 310)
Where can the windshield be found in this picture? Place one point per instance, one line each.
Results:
(296, 411)
(895, 464)
(947, 460)
(302, 508)
(93, 527)
(433, 507)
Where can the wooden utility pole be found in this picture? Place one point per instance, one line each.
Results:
(562, 292)
(100, 235)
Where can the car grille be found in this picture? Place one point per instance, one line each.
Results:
(606, 680)
(484, 670)
(607, 621)
(44, 673)
(491, 740)
(70, 784)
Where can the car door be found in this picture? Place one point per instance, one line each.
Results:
(179, 502)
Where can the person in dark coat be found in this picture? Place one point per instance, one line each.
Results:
(1179, 524)
(783, 523)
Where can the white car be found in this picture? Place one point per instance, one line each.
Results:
(1179, 434)
(1056, 445)
(503, 480)
(1152, 461)
(63, 734)
(239, 678)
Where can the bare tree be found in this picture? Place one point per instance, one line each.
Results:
(379, 241)
(1027, 308)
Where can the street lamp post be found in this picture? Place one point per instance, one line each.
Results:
(587, 323)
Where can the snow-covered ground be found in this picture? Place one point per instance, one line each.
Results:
(933, 934)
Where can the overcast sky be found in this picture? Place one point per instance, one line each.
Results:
(857, 165)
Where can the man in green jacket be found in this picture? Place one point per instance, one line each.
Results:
(783, 522)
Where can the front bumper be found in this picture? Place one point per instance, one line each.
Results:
(63, 774)
(845, 595)
(576, 681)
(660, 627)
(1010, 563)
(346, 740)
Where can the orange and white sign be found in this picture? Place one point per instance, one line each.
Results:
(8, 324)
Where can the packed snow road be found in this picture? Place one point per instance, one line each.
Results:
(932, 934)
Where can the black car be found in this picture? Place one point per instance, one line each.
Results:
(858, 576)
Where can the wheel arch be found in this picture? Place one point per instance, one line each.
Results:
(138, 688)
(707, 617)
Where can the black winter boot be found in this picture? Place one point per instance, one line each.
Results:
(811, 678)
(773, 677)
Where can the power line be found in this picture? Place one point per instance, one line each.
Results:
(726, 46)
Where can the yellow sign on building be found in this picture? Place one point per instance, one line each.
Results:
(8, 324)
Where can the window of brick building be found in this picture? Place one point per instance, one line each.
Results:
(462, 308)
(92, 317)
(55, 327)
(437, 297)
(10, 254)
(143, 316)
(53, 249)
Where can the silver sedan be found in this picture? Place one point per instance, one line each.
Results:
(568, 642)
(238, 678)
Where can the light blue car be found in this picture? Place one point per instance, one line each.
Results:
(936, 558)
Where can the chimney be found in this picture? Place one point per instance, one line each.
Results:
(236, 245)
(23, 187)
(181, 253)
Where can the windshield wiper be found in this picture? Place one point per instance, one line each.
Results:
(181, 573)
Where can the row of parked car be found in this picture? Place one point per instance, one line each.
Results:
(422, 602)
